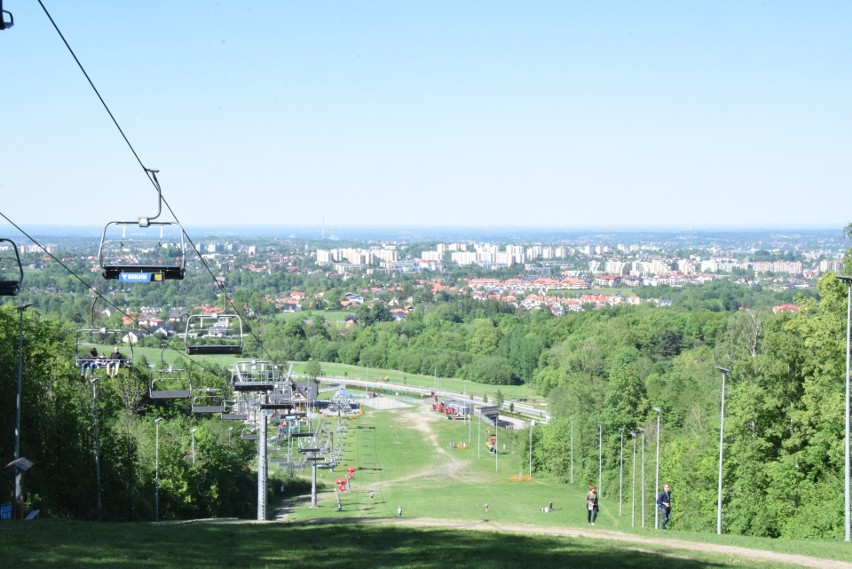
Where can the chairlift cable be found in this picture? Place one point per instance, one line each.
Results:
(148, 173)
(97, 294)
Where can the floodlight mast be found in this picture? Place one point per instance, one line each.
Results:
(725, 373)
(847, 523)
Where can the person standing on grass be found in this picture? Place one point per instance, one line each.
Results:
(591, 505)
(664, 502)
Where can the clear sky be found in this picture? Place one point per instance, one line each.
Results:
(564, 114)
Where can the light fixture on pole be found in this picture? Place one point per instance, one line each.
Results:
(633, 491)
(620, 470)
(19, 491)
(657, 475)
(847, 523)
(157, 470)
(725, 373)
(192, 434)
(643, 475)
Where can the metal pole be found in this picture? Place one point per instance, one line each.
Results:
(229, 435)
(846, 471)
(847, 520)
(19, 489)
(192, 433)
(620, 471)
(572, 451)
(725, 373)
(531, 430)
(261, 469)
(600, 457)
(633, 492)
(643, 475)
(97, 441)
(157, 470)
(657, 477)
(496, 450)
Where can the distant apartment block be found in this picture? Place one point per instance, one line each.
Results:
(785, 267)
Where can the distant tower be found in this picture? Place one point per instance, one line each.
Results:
(323, 228)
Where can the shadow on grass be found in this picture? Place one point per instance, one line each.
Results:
(79, 545)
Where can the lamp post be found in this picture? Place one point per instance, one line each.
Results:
(600, 456)
(532, 424)
(620, 470)
(847, 524)
(19, 493)
(633, 491)
(97, 439)
(572, 451)
(643, 475)
(657, 476)
(192, 434)
(229, 435)
(725, 373)
(157, 470)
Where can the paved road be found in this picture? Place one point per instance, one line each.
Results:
(519, 407)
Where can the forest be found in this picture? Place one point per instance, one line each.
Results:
(607, 369)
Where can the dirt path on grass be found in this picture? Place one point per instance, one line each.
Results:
(661, 546)
(422, 419)
(448, 465)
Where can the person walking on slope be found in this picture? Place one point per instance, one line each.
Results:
(591, 505)
(664, 502)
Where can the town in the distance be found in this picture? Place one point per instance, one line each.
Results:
(530, 270)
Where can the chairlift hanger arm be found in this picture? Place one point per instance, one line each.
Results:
(146, 221)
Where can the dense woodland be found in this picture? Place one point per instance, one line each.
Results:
(784, 426)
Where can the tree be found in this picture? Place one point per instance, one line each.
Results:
(313, 369)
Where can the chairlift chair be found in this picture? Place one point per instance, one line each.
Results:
(250, 433)
(11, 270)
(170, 383)
(254, 375)
(237, 409)
(134, 252)
(143, 250)
(88, 338)
(214, 334)
(281, 397)
(208, 400)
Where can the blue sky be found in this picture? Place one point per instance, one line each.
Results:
(440, 113)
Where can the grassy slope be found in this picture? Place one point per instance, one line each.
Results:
(398, 460)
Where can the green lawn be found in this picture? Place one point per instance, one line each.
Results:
(404, 455)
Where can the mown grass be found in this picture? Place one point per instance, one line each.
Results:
(52, 543)
(400, 460)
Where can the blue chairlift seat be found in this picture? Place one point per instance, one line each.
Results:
(149, 251)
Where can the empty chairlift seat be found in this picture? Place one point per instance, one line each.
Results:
(208, 400)
(169, 383)
(254, 375)
(214, 334)
(133, 251)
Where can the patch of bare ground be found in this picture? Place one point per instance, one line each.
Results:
(447, 463)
